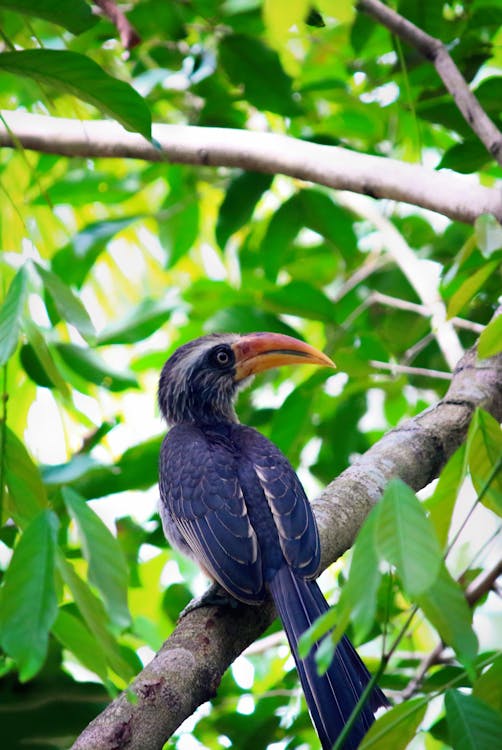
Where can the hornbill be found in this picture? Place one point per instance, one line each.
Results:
(231, 500)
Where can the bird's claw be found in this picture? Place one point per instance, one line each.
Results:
(215, 596)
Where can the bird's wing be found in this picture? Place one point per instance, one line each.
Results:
(286, 498)
(201, 496)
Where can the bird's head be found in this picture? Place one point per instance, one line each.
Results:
(200, 380)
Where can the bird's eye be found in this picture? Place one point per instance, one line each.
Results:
(222, 357)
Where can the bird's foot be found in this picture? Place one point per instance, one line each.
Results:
(215, 596)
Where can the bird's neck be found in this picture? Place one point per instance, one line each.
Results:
(199, 411)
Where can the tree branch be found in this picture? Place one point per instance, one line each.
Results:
(188, 668)
(435, 51)
(128, 34)
(445, 192)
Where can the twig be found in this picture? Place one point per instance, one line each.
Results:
(128, 34)
(493, 473)
(402, 304)
(435, 51)
(406, 370)
(372, 263)
(435, 657)
(484, 583)
(414, 350)
(265, 644)
(447, 193)
(376, 298)
(386, 657)
(414, 269)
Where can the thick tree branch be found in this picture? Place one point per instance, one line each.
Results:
(189, 666)
(448, 193)
(435, 51)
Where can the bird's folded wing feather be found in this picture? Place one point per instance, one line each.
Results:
(286, 498)
(201, 494)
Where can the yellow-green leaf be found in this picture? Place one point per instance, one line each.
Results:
(490, 341)
(396, 728)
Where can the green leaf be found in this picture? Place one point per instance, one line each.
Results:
(250, 63)
(405, 537)
(321, 626)
(33, 367)
(67, 303)
(472, 724)
(442, 502)
(26, 492)
(239, 203)
(108, 569)
(76, 74)
(470, 288)
(279, 17)
(489, 93)
(359, 595)
(316, 211)
(323, 216)
(488, 233)
(44, 357)
(87, 364)
(484, 453)
(94, 614)
(488, 687)
(137, 469)
(75, 637)
(80, 186)
(140, 323)
(281, 231)
(324, 654)
(358, 599)
(446, 608)
(295, 410)
(303, 299)
(11, 314)
(178, 233)
(395, 728)
(75, 16)
(466, 157)
(28, 602)
(246, 320)
(490, 341)
(74, 261)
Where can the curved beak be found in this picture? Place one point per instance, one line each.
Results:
(256, 352)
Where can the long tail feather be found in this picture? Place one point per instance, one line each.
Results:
(332, 696)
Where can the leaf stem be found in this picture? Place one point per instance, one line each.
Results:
(495, 470)
(386, 656)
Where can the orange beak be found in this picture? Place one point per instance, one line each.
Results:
(256, 352)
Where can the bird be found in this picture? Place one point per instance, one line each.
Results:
(231, 500)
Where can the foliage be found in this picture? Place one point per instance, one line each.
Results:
(109, 265)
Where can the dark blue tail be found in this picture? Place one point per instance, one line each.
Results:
(332, 696)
